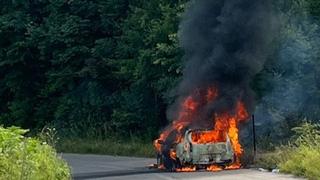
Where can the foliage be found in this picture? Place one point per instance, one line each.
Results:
(287, 86)
(314, 8)
(300, 157)
(108, 65)
(28, 158)
(49, 135)
(101, 68)
(303, 159)
(112, 146)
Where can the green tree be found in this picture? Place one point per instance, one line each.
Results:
(150, 65)
(90, 68)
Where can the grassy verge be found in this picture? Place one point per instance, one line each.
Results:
(29, 158)
(108, 146)
(300, 157)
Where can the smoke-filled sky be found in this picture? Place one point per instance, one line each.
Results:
(226, 43)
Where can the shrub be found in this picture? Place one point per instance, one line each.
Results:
(28, 158)
(303, 159)
(300, 157)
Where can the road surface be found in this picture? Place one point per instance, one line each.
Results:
(101, 167)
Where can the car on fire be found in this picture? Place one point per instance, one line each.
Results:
(187, 153)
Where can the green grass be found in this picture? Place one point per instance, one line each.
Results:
(132, 147)
(303, 155)
(300, 157)
(271, 160)
(28, 158)
(303, 161)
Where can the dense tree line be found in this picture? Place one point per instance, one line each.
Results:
(103, 66)
(94, 68)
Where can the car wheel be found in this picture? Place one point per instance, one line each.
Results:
(169, 163)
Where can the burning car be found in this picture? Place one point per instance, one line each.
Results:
(184, 147)
(190, 153)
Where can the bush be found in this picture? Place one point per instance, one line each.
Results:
(300, 157)
(28, 158)
(303, 159)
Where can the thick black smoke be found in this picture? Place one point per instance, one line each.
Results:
(226, 43)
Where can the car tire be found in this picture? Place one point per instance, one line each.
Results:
(169, 164)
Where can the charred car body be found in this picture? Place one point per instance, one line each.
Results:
(199, 155)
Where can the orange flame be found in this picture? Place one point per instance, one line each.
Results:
(190, 104)
(224, 124)
(173, 154)
(187, 169)
(214, 168)
(236, 165)
(189, 107)
(212, 93)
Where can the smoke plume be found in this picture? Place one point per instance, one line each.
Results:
(226, 43)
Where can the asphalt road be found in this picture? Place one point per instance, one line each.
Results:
(128, 168)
